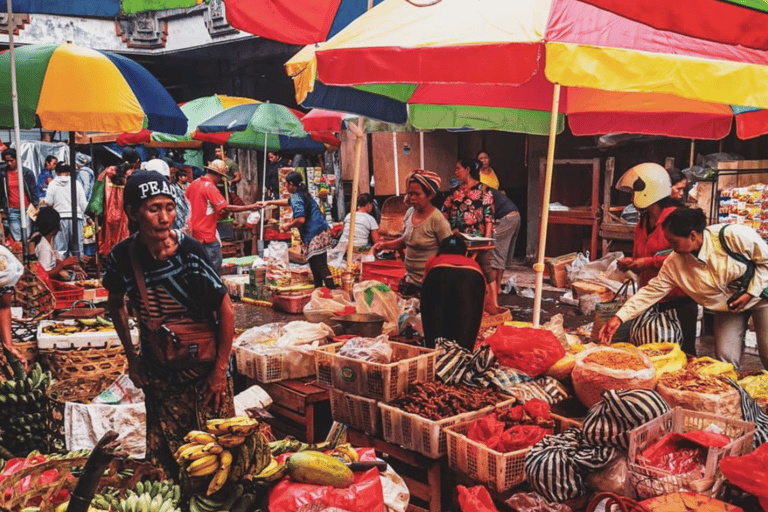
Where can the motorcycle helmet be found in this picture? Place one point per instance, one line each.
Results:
(647, 182)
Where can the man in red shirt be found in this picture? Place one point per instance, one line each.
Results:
(207, 206)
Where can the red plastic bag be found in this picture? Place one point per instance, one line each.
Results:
(529, 350)
(475, 499)
(682, 453)
(486, 430)
(521, 436)
(749, 472)
(15, 465)
(364, 495)
(537, 408)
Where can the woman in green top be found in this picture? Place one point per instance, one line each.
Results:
(424, 229)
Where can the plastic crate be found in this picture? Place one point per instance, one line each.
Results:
(499, 471)
(419, 434)
(389, 272)
(646, 482)
(99, 339)
(357, 412)
(291, 303)
(65, 294)
(274, 367)
(379, 381)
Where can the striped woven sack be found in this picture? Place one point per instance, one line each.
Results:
(655, 326)
(609, 421)
(750, 411)
(556, 466)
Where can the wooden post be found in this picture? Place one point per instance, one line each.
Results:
(359, 135)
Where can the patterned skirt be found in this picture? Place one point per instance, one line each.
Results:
(318, 245)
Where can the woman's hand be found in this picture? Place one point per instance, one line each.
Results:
(286, 226)
(18, 355)
(632, 264)
(609, 329)
(216, 387)
(737, 305)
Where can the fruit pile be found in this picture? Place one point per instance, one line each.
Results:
(146, 497)
(97, 324)
(227, 450)
(23, 404)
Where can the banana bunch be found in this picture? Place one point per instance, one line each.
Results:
(345, 453)
(24, 406)
(237, 500)
(147, 497)
(270, 474)
(226, 451)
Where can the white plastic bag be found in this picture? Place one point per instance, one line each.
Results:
(322, 308)
(11, 269)
(603, 272)
(375, 350)
(253, 219)
(376, 297)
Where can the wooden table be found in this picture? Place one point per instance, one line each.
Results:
(301, 408)
(428, 489)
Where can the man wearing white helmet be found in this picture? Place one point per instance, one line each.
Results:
(650, 186)
(182, 205)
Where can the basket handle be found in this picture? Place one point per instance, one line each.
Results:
(84, 303)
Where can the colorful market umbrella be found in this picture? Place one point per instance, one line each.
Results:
(736, 22)
(401, 44)
(266, 126)
(295, 21)
(95, 8)
(126, 97)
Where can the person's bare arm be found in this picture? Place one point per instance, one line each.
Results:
(216, 385)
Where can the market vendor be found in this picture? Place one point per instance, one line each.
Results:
(702, 267)
(10, 272)
(314, 230)
(177, 281)
(651, 189)
(424, 227)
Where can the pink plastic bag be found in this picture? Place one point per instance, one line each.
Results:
(475, 499)
(529, 350)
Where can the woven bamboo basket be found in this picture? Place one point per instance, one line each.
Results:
(81, 390)
(33, 296)
(122, 474)
(72, 363)
(495, 320)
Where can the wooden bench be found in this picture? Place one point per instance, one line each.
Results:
(301, 408)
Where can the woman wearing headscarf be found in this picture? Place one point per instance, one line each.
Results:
(314, 230)
(173, 279)
(423, 230)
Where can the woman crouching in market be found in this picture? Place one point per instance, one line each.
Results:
(168, 277)
(707, 263)
(315, 232)
(423, 229)
(651, 190)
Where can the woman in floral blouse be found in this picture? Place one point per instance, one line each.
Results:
(469, 210)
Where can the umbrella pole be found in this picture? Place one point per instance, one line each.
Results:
(539, 265)
(421, 150)
(263, 198)
(17, 134)
(693, 153)
(74, 243)
(397, 167)
(359, 135)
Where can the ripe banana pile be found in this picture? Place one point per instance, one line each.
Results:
(24, 410)
(227, 450)
(97, 324)
(235, 501)
(146, 497)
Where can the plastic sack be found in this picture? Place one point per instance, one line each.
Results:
(756, 386)
(591, 379)
(261, 338)
(253, 219)
(534, 502)
(611, 478)
(278, 262)
(375, 297)
(364, 495)
(410, 318)
(326, 302)
(475, 499)
(708, 366)
(604, 272)
(13, 466)
(749, 473)
(299, 333)
(726, 404)
(576, 264)
(666, 357)
(655, 326)
(122, 391)
(555, 326)
(374, 350)
(529, 350)
(11, 269)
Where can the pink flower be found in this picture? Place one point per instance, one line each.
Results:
(468, 202)
(469, 219)
(488, 198)
(474, 194)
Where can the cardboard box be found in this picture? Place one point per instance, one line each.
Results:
(580, 288)
(557, 274)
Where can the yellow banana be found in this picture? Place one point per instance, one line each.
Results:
(243, 429)
(231, 440)
(202, 465)
(225, 459)
(215, 426)
(213, 447)
(199, 437)
(218, 480)
(186, 451)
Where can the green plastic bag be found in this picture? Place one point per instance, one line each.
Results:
(96, 206)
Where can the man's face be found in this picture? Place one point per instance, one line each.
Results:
(51, 165)
(219, 153)
(10, 161)
(272, 157)
(155, 217)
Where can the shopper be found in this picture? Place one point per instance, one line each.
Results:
(10, 272)
(314, 230)
(10, 196)
(207, 206)
(180, 283)
(366, 227)
(703, 269)
(115, 225)
(506, 228)
(650, 187)
(487, 174)
(424, 227)
(59, 196)
(47, 173)
(679, 184)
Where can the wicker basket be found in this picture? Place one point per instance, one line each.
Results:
(33, 295)
(109, 361)
(81, 390)
(23, 330)
(122, 474)
(495, 320)
(337, 273)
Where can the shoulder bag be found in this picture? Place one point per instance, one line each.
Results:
(178, 343)
(742, 283)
